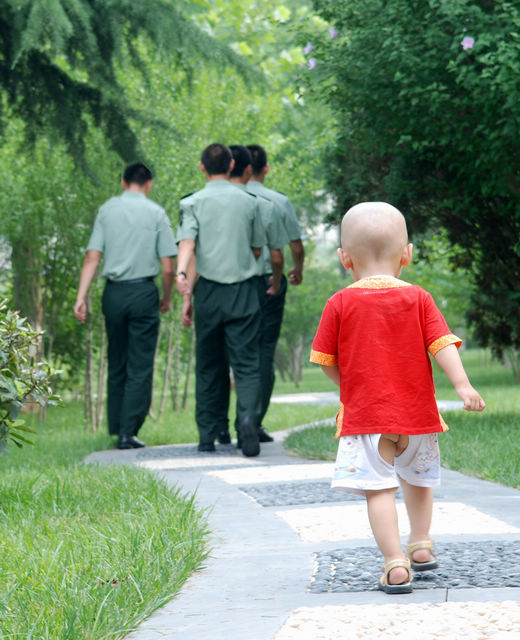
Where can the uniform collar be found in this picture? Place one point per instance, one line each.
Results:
(132, 194)
(212, 184)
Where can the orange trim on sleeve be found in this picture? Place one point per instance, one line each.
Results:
(444, 341)
(325, 359)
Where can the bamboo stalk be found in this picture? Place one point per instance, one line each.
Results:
(101, 378)
(167, 369)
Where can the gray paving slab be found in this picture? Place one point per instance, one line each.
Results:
(260, 570)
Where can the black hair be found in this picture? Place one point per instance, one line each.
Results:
(137, 173)
(216, 159)
(242, 158)
(258, 158)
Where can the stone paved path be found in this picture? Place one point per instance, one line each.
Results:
(292, 559)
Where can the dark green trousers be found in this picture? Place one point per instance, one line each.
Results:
(272, 316)
(227, 322)
(132, 322)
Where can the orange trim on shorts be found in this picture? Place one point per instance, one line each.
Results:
(326, 359)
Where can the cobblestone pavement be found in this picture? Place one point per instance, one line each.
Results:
(292, 559)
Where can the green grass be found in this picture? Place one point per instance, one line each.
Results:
(485, 445)
(87, 552)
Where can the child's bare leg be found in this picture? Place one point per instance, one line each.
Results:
(419, 505)
(382, 514)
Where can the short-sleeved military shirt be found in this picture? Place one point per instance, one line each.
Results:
(133, 233)
(276, 236)
(282, 205)
(225, 223)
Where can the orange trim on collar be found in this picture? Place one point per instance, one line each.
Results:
(379, 282)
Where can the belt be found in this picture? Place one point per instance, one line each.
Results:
(135, 281)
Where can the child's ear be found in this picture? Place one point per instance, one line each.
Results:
(406, 257)
(345, 259)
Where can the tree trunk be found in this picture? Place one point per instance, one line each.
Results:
(100, 400)
(151, 411)
(296, 361)
(188, 369)
(169, 355)
(89, 405)
(176, 365)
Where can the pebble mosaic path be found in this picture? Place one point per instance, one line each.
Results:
(292, 559)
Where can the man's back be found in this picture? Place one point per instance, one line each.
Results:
(225, 223)
(133, 233)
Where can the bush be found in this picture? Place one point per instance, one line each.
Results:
(22, 377)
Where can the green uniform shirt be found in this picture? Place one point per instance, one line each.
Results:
(276, 237)
(133, 233)
(225, 223)
(282, 205)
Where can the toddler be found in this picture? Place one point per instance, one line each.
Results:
(373, 341)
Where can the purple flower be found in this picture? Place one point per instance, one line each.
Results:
(333, 33)
(467, 42)
(312, 63)
(308, 48)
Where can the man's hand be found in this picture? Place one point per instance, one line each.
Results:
(80, 310)
(182, 285)
(295, 276)
(274, 287)
(187, 311)
(165, 305)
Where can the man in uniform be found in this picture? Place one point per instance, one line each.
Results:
(273, 309)
(135, 236)
(222, 225)
(270, 263)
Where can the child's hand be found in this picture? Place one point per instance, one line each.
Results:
(471, 398)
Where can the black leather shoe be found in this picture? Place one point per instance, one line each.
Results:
(206, 447)
(129, 442)
(249, 437)
(224, 437)
(263, 436)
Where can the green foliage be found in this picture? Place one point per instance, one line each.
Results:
(304, 305)
(430, 126)
(59, 60)
(22, 378)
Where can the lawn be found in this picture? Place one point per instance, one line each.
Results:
(485, 445)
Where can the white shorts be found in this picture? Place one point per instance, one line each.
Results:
(360, 467)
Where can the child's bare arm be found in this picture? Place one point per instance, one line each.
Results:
(450, 362)
(331, 372)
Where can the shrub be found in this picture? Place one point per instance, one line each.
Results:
(22, 376)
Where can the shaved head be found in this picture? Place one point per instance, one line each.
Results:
(374, 230)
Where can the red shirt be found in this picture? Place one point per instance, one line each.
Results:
(379, 332)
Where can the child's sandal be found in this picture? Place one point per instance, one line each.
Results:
(422, 566)
(404, 587)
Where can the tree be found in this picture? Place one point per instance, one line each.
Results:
(59, 62)
(305, 304)
(427, 100)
